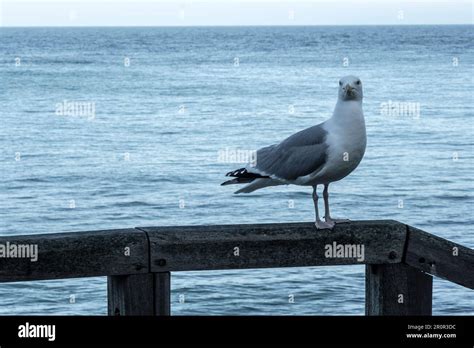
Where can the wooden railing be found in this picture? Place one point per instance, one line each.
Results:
(400, 260)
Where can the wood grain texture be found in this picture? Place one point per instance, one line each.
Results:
(162, 293)
(130, 294)
(397, 289)
(78, 254)
(440, 257)
(138, 261)
(139, 294)
(185, 248)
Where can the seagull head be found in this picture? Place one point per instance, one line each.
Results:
(350, 88)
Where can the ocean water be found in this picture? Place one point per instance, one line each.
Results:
(166, 103)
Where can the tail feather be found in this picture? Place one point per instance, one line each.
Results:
(237, 181)
(242, 176)
(254, 180)
(258, 184)
(244, 173)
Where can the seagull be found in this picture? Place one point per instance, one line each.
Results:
(318, 155)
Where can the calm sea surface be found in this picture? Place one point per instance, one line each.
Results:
(163, 102)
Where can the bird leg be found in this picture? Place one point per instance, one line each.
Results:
(319, 224)
(327, 216)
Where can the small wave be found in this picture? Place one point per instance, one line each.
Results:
(134, 204)
(35, 111)
(453, 197)
(33, 180)
(64, 61)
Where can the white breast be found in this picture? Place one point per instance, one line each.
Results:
(346, 141)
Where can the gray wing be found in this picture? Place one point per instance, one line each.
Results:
(298, 155)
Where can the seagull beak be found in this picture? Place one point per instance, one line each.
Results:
(349, 89)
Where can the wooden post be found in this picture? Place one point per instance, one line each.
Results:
(397, 289)
(162, 293)
(139, 294)
(130, 294)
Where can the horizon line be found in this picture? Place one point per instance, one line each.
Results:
(234, 26)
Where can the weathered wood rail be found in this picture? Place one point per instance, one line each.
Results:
(400, 260)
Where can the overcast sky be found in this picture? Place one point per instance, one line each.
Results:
(232, 12)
